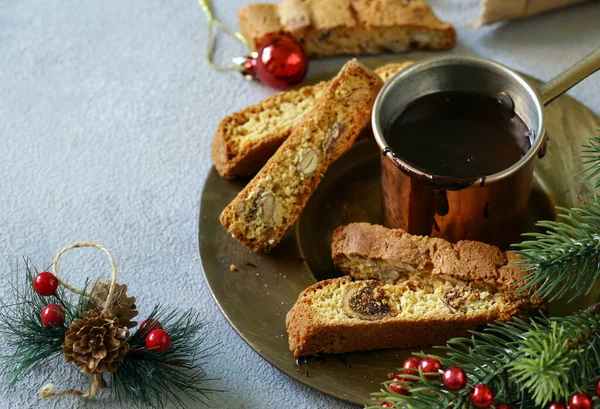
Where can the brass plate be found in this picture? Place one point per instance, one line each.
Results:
(257, 296)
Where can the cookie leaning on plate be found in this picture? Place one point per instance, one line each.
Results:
(245, 140)
(263, 211)
(341, 315)
(333, 27)
(369, 251)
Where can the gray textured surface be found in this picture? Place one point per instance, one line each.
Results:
(107, 111)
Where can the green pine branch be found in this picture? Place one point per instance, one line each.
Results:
(528, 363)
(150, 379)
(21, 329)
(565, 259)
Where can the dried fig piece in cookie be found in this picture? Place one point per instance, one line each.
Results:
(367, 301)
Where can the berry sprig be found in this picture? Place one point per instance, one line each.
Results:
(46, 284)
(455, 379)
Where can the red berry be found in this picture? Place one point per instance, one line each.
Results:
(482, 396)
(598, 388)
(399, 389)
(411, 366)
(158, 340)
(454, 378)
(53, 315)
(45, 283)
(580, 400)
(429, 364)
(386, 405)
(149, 325)
(557, 405)
(504, 406)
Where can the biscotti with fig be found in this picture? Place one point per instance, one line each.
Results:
(334, 27)
(245, 140)
(368, 251)
(342, 315)
(272, 201)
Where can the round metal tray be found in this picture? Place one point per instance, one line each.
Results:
(256, 297)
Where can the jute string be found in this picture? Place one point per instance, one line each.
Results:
(48, 390)
(212, 23)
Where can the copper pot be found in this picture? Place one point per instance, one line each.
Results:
(491, 208)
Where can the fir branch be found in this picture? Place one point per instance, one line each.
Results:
(591, 156)
(527, 363)
(150, 379)
(21, 328)
(565, 259)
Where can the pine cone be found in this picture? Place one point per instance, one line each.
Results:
(96, 343)
(123, 307)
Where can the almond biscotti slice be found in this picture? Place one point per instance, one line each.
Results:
(245, 140)
(341, 315)
(333, 27)
(368, 251)
(263, 211)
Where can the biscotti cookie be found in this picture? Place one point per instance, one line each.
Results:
(263, 211)
(333, 27)
(368, 251)
(245, 140)
(341, 315)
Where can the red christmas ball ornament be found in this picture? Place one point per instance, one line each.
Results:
(280, 63)
(45, 283)
(411, 366)
(454, 378)
(386, 405)
(429, 364)
(53, 315)
(481, 396)
(557, 405)
(598, 388)
(504, 406)
(399, 389)
(150, 325)
(158, 340)
(580, 400)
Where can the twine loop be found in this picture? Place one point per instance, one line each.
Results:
(48, 391)
(113, 282)
(207, 7)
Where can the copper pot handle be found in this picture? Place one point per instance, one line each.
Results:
(570, 77)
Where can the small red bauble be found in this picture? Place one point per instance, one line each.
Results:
(149, 325)
(429, 364)
(598, 388)
(411, 366)
(386, 405)
(399, 389)
(53, 315)
(158, 340)
(482, 396)
(454, 378)
(557, 405)
(45, 283)
(504, 406)
(580, 400)
(281, 62)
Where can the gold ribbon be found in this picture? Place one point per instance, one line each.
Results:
(212, 23)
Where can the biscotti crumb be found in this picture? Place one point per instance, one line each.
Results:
(232, 267)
